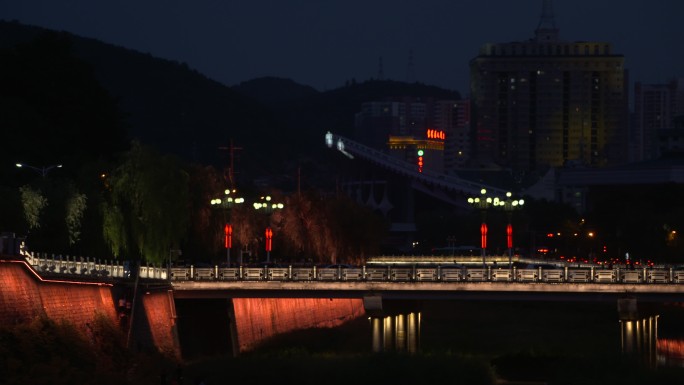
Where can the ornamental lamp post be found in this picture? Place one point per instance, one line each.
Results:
(482, 202)
(227, 203)
(267, 207)
(43, 171)
(509, 205)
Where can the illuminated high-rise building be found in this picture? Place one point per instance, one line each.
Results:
(546, 102)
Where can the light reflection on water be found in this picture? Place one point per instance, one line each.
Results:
(640, 337)
(584, 328)
(670, 352)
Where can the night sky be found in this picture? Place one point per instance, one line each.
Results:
(324, 43)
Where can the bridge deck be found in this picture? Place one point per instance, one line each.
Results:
(429, 290)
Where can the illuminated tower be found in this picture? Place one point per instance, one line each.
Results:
(546, 102)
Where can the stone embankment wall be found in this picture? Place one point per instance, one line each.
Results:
(161, 318)
(24, 296)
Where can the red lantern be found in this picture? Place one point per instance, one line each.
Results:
(483, 231)
(269, 239)
(509, 235)
(228, 239)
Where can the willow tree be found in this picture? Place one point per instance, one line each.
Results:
(330, 229)
(33, 203)
(146, 213)
(75, 207)
(302, 225)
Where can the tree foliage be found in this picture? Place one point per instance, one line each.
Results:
(205, 225)
(33, 202)
(329, 229)
(75, 208)
(147, 211)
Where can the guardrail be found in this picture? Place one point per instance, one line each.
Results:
(89, 268)
(77, 266)
(445, 273)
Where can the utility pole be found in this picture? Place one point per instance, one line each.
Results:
(231, 163)
(230, 198)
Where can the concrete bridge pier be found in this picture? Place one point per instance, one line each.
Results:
(395, 325)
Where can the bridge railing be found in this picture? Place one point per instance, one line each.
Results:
(57, 264)
(86, 268)
(403, 273)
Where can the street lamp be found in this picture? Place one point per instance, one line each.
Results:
(509, 205)
(43, 171)
(266, 206)
(230, 199)
(483, 202)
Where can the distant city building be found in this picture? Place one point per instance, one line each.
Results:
(404, 126)
(549, 103)
(657, 110)
(453, 117)
(546, 118)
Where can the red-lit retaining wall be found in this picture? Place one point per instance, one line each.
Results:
(161, 316)
(257, 319)
(23, 296)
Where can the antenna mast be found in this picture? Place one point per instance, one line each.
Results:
(229, 174)
(546, 29)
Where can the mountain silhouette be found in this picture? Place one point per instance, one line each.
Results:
(277, 124)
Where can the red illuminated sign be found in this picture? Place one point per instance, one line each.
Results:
(435, 134)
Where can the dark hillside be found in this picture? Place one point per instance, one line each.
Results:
(278, 125)
(271, 90)
(174, 107)
(336, 109)
(52, 108)
(311, 114)
(165, 103)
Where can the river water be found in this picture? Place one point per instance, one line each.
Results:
(585, 342)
